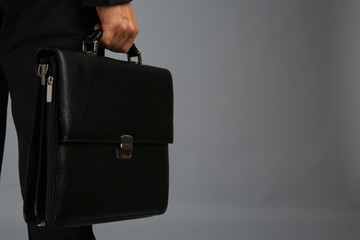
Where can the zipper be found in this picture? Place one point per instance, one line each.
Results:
(50, 159)
(51, 143)
(40, 206)
(50, 83)
(42, 71)
(47, 81)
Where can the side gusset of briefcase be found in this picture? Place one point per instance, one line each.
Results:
(99, 150)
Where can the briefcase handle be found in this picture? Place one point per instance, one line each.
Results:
(93, 40)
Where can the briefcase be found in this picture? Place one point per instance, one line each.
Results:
(99, 148)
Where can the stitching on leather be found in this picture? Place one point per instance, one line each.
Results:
(65, 116)
(63, 129)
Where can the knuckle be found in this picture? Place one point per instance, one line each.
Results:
(107, 42)
(132, 29)
(121, 28)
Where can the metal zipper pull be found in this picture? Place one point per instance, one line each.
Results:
(41, 72)
(50, 82)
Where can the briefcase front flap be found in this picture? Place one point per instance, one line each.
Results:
(101, 99)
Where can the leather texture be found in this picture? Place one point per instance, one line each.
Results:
(75, 177)
(106, 102)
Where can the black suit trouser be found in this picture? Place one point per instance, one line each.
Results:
(25, 25)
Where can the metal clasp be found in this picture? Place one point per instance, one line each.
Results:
(139, 59)
(125, 150)
(95, 48)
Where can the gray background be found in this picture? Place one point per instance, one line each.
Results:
(267, 122)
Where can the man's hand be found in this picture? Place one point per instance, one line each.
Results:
(119, 26)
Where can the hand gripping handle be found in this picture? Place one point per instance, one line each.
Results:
(93, 40)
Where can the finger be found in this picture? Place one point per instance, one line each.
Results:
(119, 43)
(107, 38)
(128, 39)
(123, 42)
(120, 38)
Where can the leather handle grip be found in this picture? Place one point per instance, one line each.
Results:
(96, 36)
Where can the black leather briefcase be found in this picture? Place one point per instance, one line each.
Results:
(99, 149)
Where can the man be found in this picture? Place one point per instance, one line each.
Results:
(26, 25)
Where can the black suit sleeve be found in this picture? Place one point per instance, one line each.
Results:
(94, 3)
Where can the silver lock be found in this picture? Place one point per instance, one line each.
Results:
(125, 150)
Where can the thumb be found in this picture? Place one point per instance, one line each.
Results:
(97, 26)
